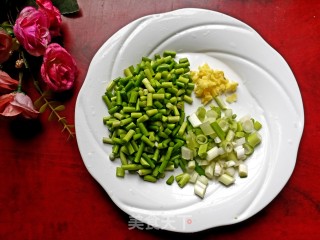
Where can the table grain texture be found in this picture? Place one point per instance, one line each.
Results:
(47, 193)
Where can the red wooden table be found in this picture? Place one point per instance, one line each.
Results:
(46, 191)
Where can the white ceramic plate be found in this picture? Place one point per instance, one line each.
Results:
(267, 91)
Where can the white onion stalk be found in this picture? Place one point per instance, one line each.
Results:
(240, 141)
(247, 126)
(203, 179)
(209, 170)
(194, 176)
(243, 170)
(226, 179)
(191, 165)
(199, 190)
(228, 112)
(217, 140)
(200, 186)
(194, 120)
(230, 163)
(217, 170)
(240, 151)
(186, 153)
(206, 128)
(221, 151)
(203, 162)
(230, 171)
(212, 153)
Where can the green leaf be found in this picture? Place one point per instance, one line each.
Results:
(52, 116)
(59, 108)
(43, 107)
(66, 6)
(38, 103)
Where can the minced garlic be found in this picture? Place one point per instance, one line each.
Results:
(211, 83)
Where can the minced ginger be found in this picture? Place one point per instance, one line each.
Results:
(211, 83)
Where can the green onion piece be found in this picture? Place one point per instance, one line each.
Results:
(131, 167)
(243, 170)
(201, 139)
(226, 179)
(257, 125)
(147, 141)
(220, 102)
(115, 149)
(183, 79)
(129, 109)
(117, 141)
(169, 53)
(149, 178)
(216, 127)
(123, 158)
(148, 85)
(156, 155)
(143, 172)
(184, 180)
(136, 114)
(239, 134)
(118, 116)
(119, 99)
(254, 139)
(142, 119)
(120, 172)
(166, 160)
(129, 135)
(187, 99)
(158, 96)
(227, 146)
(173, 119)
(248, 150)
(149, 100)
(113, 110)
(126, 121)
(139, 153)
(130, 148)
(230, 135)
(202, 152)
(133, 97)
(130, 126)
(111, 85)
(182, 129)
(107, 101)
(151, 112)
(107, 140)
(137, 136)
(149, 160)
(143, 129)
(170, 180)
(247, 126)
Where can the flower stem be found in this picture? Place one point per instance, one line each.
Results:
(20, 82)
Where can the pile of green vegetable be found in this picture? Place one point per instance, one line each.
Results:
(152, 136)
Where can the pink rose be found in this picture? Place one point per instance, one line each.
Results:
(53, 14)
(32, 30)
(17, 104)
(7, 84)
(58, 69)
(5, 46)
